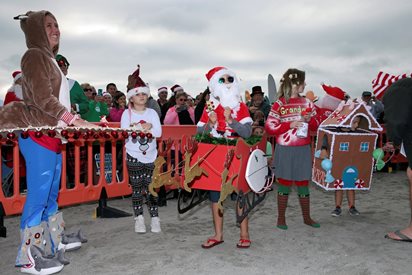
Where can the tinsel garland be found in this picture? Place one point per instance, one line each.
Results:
(205, 138)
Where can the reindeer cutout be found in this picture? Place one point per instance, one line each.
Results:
(191, 172)
(227, 186)
(161, 178)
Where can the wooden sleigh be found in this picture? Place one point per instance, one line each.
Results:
(214, 167)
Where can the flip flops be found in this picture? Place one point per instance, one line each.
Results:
(402, 237)
(211, 243)
(243, 243)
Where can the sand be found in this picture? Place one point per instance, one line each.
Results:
(342, 245)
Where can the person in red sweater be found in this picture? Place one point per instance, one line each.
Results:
(289, 116)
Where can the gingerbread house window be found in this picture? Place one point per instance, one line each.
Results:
(344, 146)
(364, 146)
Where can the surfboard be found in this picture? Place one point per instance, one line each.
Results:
(272, 89)
(257, 172)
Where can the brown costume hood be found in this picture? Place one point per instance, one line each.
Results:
(36, 37)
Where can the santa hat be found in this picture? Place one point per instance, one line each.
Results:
(214, 74)
(16, 75)
(334, 91)
(139, 85)
(162, 89)
(176, 88)
(107, 94)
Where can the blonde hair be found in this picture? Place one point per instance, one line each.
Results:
(291, 78)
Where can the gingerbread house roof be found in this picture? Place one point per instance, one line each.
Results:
(342, 117)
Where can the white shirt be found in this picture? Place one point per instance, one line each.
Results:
(133, 147)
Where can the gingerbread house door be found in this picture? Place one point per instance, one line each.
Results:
(349, 176)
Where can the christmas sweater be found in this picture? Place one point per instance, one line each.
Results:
(240, 114)
(283, 114)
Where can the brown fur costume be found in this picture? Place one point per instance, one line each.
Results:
(41, 80)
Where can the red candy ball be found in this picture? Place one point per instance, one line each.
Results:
(142, 135)
(51, 133)
(125, 134)
(134, 135)
(24, 134)
(149, 135)
(38, 134)
(65, 133)
(11, 135)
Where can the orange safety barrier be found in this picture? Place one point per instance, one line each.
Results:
(96, 183)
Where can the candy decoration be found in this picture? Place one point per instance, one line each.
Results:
(115, 134)
(142, 135)
(38, 134)
(24, 134)
(134, 135)
(11, 136)
(378, 156)
(125, 134)
(51, 133)
(65, 133)
(327, 166)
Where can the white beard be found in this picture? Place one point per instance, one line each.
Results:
(18, 91)
(228, 95)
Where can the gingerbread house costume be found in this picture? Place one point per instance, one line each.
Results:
(343, 155)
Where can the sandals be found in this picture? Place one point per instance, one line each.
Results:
(402, 237)
(243, 243)
(211, 243)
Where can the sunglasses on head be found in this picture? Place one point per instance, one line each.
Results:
(229, 79)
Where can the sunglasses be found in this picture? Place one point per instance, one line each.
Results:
(229, 79)
(88, 90)
(182, 99)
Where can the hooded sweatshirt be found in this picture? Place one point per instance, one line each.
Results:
(43, 104)
(41, 81)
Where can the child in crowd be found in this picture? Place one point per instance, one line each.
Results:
(142, 152)
(119, 105)
(293, 158)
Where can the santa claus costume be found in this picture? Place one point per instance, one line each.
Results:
(14, 93)
(224, 116)
(293, 159)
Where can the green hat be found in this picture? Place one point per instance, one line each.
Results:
(61, 59)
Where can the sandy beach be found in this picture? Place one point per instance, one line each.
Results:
(342, 245)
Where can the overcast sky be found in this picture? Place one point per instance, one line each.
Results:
(340, 43)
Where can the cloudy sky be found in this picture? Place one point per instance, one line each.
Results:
(340, 43)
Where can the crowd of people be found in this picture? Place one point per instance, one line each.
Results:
(42, 94)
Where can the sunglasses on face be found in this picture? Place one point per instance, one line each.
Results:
(88, 90)
(229, 79)
(62, 63)
(182, 99)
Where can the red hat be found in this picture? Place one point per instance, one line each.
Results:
(176, 88)
(16, 75)
(210, 73)
(334, 91)
(139, 86)
(217, 72)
